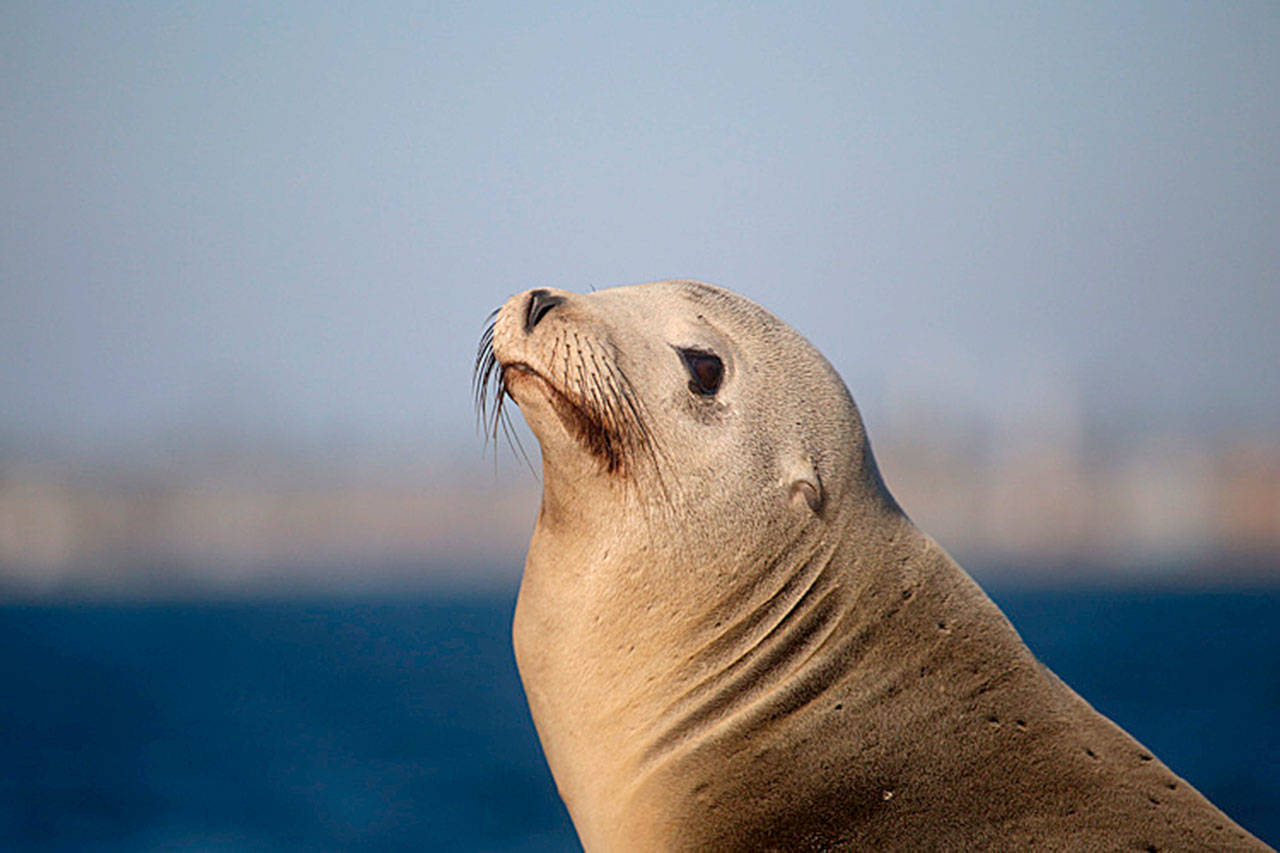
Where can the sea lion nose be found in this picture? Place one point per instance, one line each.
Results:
(540, 302)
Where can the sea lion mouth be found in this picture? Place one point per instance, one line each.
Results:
(580, 421)
(594, 400)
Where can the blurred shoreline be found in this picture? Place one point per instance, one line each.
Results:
(252, 528)
(1041, 508)
(1139, 509)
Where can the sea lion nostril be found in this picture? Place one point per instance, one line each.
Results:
(540, 302)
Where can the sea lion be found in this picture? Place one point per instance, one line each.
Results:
(732, 638)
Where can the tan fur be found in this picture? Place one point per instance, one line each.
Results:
(732, 638)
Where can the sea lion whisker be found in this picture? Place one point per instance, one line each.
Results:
(624, 402)
(621, 403)
(607, 394)
(637, 417)
(597, 413)
(508, 430)
(483, 375)
(643, 435)
(480, 372)
(489, 380)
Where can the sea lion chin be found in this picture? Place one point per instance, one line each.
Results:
(732, 638)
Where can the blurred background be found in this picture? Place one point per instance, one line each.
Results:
(256, 562)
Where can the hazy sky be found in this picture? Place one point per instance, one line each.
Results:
(294, 221)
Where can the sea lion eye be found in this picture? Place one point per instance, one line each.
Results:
(706, 370)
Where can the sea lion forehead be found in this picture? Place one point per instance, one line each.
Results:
(674, 296)
(702, 296)
(675, 314)
(685, 306)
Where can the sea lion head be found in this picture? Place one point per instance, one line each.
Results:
(677, 403)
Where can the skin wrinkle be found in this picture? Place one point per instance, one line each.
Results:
(808, 582)
(713, 664)
(740, 630)
(748, 684)
(743, 681)
(847, 647)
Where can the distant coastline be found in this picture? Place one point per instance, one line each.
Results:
(1043, 512)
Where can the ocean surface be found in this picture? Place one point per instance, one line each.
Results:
(401, 725)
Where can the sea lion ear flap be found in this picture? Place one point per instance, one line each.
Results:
(806, 486)
(811, 491)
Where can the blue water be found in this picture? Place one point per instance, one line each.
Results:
(386, 726)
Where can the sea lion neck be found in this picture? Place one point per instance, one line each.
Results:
(860, 646)
(622, 636)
